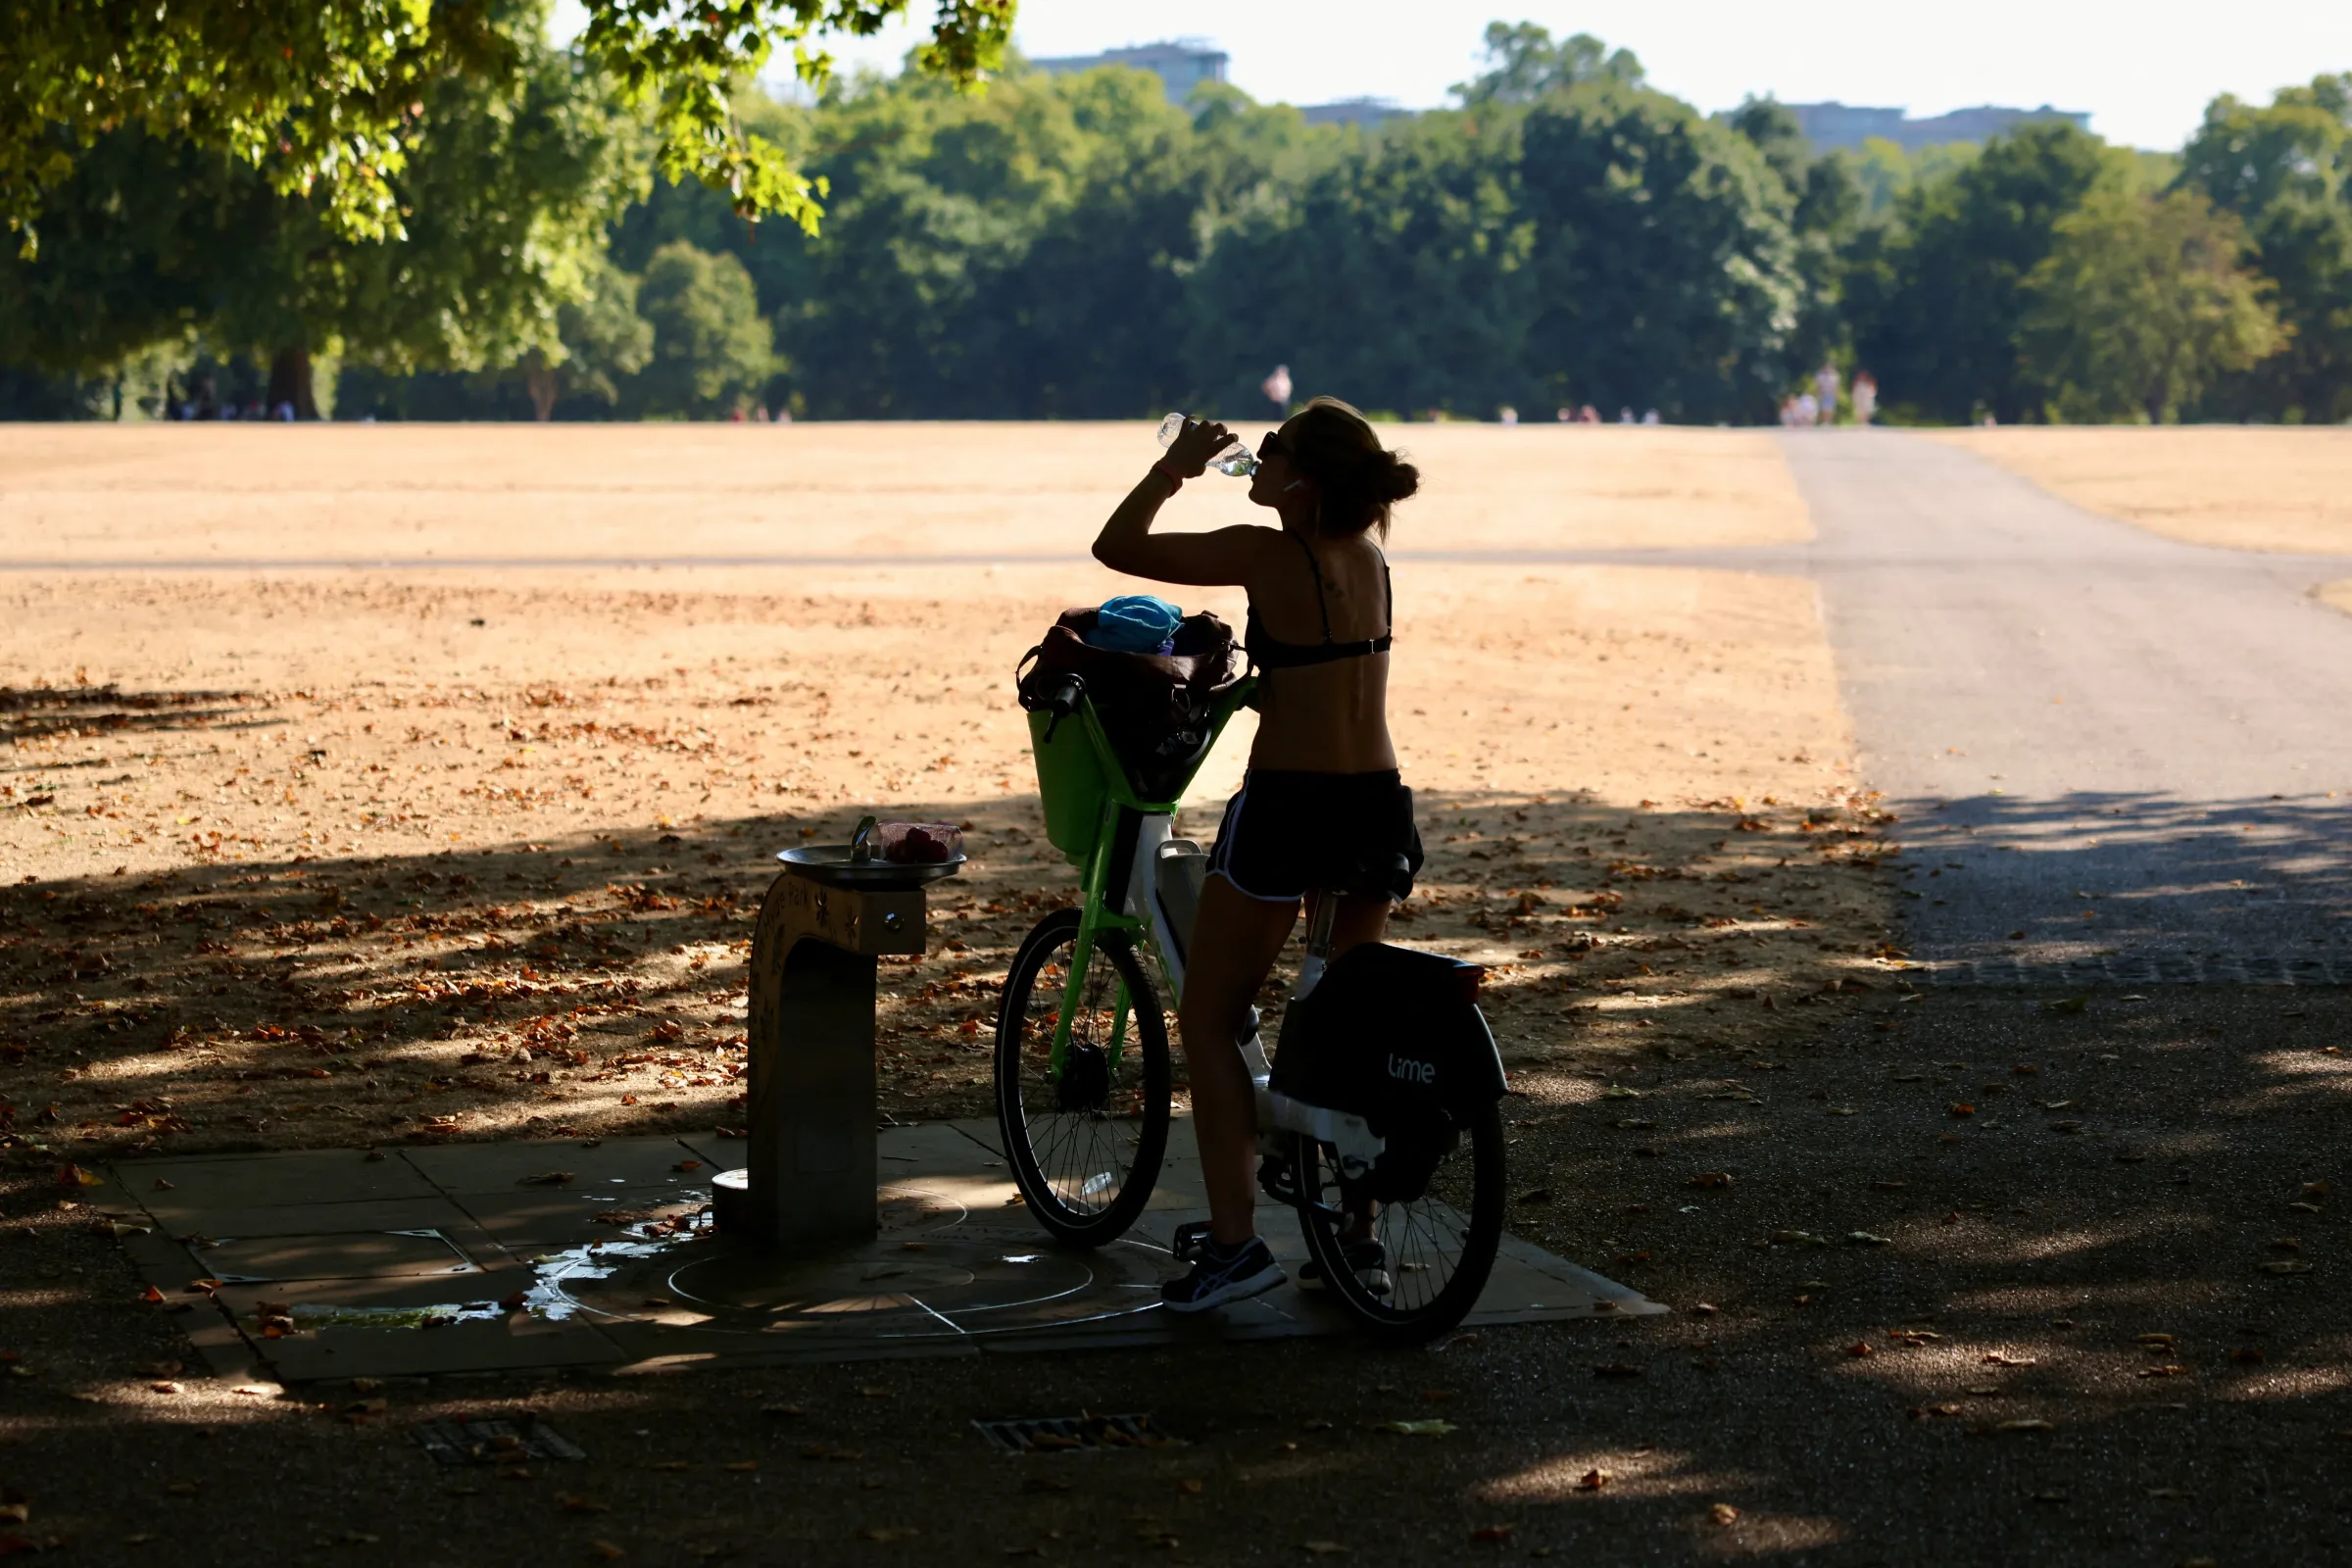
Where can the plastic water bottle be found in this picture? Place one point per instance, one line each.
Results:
(1235, 460)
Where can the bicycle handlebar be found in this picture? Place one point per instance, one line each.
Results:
(1064, 704)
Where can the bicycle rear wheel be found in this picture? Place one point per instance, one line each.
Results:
(1085, 1145)
(1440, 1247)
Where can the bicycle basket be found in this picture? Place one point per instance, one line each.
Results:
(1069, 783)
(1390, 1034)
(1158, 710)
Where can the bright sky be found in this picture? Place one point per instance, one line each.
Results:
(2144, 70)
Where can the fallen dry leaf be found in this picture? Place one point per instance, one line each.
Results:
(1723, 1513)
(1594, 1480)
(889, 1533)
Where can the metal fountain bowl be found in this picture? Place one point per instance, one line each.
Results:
(831, 864)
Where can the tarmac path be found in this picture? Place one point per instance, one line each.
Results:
(2117, 757)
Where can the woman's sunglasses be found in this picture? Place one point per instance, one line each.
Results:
(1274, 446)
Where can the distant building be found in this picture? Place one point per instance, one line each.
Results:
(1369, 112)
(1828, 126)
(1180, 65)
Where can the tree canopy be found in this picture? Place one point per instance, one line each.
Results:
(1075, 246)
(2286, 170)
(322, 97)
(2139, 305)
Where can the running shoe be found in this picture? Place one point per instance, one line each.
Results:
(1223, 1274)
(1369, 1261)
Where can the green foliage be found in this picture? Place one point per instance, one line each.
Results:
(1077, 247)
(323, 99)
(1936, 301)
(2140, 304)
(2286, 171)
(1524, 66)
(605, 340)
(711, 349)
(507, 186)
(1398, 277)
(1884, 170)
(1664, 257)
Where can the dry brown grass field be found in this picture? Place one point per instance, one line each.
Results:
(2236, 487)
(347, 493)
(304, 856)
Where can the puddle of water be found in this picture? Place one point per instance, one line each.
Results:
(546, 1299)
(311, 1318)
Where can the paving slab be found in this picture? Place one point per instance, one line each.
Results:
(540, 1220)
(298, 1219)
(372, 1254)
(259, 1181)
(483, 1270)
(464, 1169)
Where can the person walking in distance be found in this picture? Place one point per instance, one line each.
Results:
(1825, 391)
(1866, 397)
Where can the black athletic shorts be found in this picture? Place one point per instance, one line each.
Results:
(1287, 832)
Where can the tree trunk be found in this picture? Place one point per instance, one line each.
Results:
(540, 377)
(290, 382)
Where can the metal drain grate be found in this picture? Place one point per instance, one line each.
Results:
(496, 1441)
(1063, 1432)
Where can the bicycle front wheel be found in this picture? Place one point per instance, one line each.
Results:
(1085, 1137)
(1436, 1249)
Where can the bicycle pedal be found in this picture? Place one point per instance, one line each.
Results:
(1191, 1239)
(1278, 1180)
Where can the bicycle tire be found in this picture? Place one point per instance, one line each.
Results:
(1065, 1152)
(1414, 1233)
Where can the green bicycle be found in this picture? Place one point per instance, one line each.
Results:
(1084, 1085)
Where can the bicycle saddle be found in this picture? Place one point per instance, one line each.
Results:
(1377, 874)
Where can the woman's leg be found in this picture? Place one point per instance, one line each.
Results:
(1236, 939)
(1362, 918)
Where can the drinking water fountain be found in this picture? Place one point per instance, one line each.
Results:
(811, 1175)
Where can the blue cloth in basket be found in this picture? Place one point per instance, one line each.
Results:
(1136, 623)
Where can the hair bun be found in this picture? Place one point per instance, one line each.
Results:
(1396, 478)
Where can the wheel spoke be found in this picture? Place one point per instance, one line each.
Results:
(1086, 1129)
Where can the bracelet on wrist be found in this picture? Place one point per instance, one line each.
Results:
(1175, 480)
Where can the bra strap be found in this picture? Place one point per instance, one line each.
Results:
(1322, 605)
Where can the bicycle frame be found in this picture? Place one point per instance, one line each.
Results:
(1355, 1140)
(1095, 914)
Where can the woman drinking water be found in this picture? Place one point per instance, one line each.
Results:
(1322, 791)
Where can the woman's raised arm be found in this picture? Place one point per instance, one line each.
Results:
(1127, 543)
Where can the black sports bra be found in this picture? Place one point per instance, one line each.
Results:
(1267, 653)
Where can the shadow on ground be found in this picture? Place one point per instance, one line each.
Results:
(596, 984)
(32, 713)
(2096, 1318)
(2175, 884)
